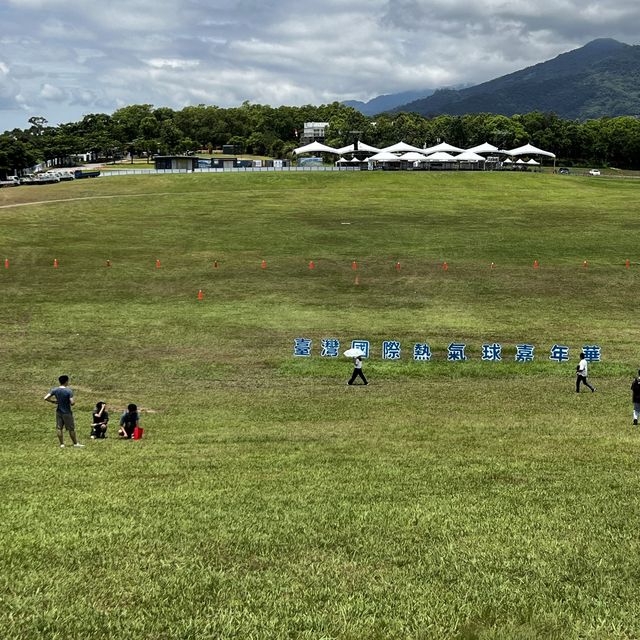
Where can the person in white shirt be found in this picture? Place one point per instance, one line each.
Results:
(581, 374)
(357, 371)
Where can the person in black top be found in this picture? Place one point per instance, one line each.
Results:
(635, 397)
(129, 420)
(99, 421)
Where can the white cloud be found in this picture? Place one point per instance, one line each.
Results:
(100, 56)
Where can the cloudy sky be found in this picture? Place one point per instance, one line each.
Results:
(62, 59)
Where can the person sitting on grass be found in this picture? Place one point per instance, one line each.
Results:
(129, 420)
(99, 421)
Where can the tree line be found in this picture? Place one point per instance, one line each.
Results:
(143, 130)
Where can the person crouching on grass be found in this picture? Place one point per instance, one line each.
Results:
(129, 420)
(99, 421)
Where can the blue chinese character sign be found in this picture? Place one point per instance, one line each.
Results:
(524, 353)
(330, 347)
(391, 350)
(302, 347)
(559, 353)
(422, 352)
(492, 352)
(591, 352)
(455, 352)
(363, 345)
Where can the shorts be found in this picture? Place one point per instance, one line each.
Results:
(65, 420)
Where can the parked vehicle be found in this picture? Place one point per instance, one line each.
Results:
(564, 171)
(594, 172)
(11, 181)
(79, 174)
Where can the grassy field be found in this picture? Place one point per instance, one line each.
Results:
(268, 499)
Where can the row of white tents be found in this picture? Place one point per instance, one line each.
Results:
(442, 153)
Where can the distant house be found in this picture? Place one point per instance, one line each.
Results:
(313, 132)
(179, 163)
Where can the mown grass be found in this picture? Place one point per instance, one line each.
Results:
(270, 500)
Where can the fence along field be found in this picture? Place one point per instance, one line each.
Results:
(267, 498)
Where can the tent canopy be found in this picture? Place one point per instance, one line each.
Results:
(413, 156)
(401, 147)
(532, 162)
(443, 146)
(440, 156)
(367, 147)
(315, 147)
(483, 148)
(470, 156)
(341, 161)
(530, 150)
(384, 156)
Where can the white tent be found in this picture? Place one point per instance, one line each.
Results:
(470, 156)
(354, 160)
(384, 156)
(413, 156)
(483, 148)
(443, 146)
(367, 147)
(347, 149)
(440, 156)
(315, 147)
(520, 161)
(530, 150)
(341, 161)
(533, 162)
(401, 147)
(508, 161)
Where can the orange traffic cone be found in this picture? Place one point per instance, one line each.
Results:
(108, 263)
(263, 264)
(627, 264)
(354, 265)
(398, 267)
(55, 263)
(215, 264)
(445, 266)
(200, 294)
(6, 263)
(536, 264)
(157, 263)
(312, 265)
(585, 265)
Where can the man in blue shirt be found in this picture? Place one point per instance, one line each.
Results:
(63, 397)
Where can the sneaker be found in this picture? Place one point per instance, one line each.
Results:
(77, 445)
(62, 446)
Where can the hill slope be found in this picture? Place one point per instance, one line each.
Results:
(600, 79)
(387, 102)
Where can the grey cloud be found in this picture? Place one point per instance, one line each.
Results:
(175, 52)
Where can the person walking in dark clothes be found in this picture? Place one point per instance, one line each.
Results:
(357, 371)
(635, 397)
(581, 374)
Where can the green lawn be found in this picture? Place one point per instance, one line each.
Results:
(268, 499)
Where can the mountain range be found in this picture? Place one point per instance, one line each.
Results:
(600, 79)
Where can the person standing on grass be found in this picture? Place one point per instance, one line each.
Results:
(62, 396)
(635, 396)
(581, 374)
(357, 371)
